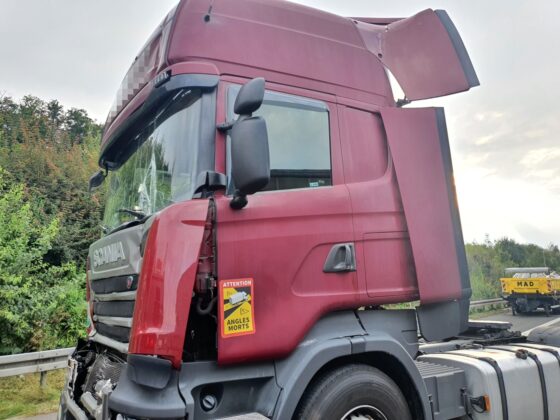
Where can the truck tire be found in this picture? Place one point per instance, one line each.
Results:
(353, 392)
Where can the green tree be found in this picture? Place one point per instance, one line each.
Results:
(39, 303)
(487, 262)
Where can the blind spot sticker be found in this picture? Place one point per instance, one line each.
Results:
(237, 316)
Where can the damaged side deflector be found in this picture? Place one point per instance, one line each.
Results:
(424, 52)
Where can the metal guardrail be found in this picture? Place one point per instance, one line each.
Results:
(43, 361)
(487, 302)
(36, 362)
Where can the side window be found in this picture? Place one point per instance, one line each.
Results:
(299, 140)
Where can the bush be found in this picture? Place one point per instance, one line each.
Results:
(41, 305)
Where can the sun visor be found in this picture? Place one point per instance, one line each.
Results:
(424, 52)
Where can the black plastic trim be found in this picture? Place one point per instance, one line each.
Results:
(459, 47)
(120, 308)
(138, 401)
(453, 204)
(115, 284)
(149, 371)
(115, 332)
(109, 154)
(466, 291)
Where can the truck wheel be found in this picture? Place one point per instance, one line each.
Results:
(353, 392)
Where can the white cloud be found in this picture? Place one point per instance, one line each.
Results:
(537, 157)
(491, 204)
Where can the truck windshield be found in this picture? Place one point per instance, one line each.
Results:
(161, 167)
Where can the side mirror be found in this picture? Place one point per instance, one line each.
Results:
(250, 97)
(96, 180)
(250, 158)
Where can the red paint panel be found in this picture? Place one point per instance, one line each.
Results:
(166, 281)
(424, 52)
(384, 257)
(365, 147)
(281, 240)
(420, 151)
(388, 265)
(281, 41)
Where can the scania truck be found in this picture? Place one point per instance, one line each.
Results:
(267, 200)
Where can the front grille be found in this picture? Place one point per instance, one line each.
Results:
(115, 332)
(115, 284)
(122, 309)
(113, 306)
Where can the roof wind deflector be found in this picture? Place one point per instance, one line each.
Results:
(424, 52)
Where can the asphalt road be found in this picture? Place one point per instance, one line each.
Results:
(524, 322)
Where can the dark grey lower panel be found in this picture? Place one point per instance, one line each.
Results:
(442, 320)
(236, 390)
(349, 335)
(140, 401)
(445, 385)
(204, 390)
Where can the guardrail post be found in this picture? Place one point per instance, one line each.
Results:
(43, 379)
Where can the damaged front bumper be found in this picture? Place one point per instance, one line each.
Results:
(92, 408)
(149, 387)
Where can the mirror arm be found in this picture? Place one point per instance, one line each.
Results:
(238, 201)
(225, 126)
(402, 102)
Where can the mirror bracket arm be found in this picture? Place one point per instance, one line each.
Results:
(402, 102)
(225, 126)
(238, 201)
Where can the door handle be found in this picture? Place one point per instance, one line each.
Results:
(341, 259)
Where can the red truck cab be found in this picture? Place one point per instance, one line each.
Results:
(266, 196)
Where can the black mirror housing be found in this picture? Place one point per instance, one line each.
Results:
(250, 155)
(96, 180)
(250, 97)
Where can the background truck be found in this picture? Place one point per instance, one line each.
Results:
(529, 288)
(266, 196)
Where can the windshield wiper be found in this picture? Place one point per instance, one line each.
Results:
(135, 213)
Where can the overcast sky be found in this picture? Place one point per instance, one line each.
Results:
(504, 134)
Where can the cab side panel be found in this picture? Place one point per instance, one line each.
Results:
(380, 231)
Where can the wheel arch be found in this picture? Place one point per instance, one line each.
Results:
(380, 350)
(389, 365)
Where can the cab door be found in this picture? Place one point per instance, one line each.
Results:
(283, 237)
(384, 257)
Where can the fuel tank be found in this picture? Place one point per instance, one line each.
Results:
(522, 381)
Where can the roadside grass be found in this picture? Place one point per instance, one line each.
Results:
(23, 396)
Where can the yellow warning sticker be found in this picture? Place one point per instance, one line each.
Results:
(236, 307)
